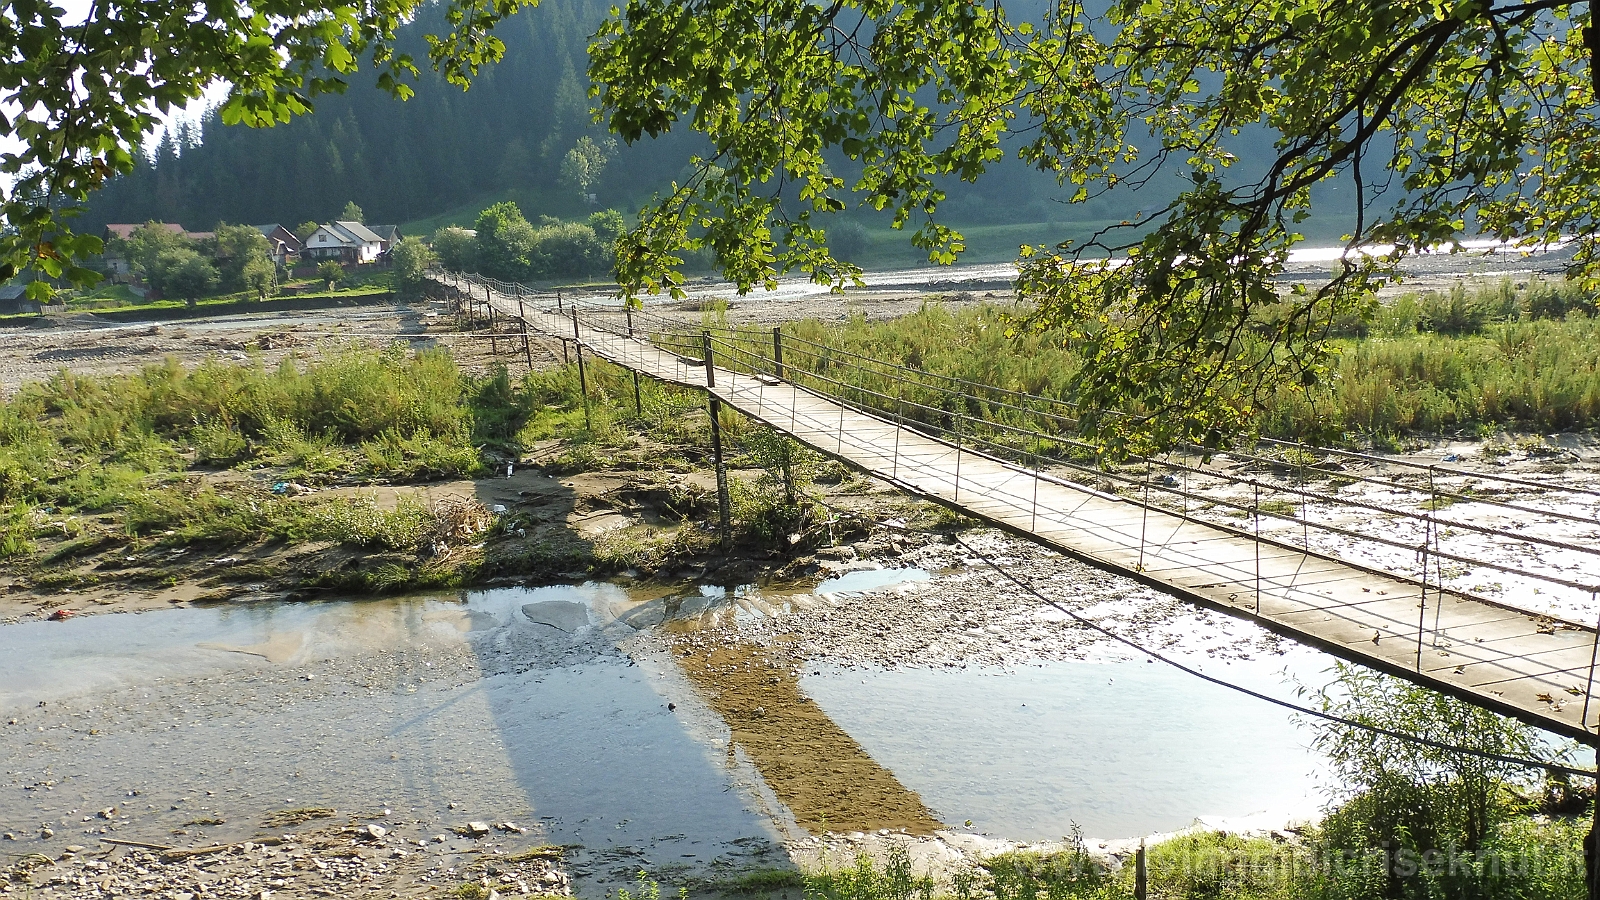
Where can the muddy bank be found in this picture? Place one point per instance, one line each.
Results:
(540, 524)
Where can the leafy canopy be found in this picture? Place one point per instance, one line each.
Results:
(1450, 118)
(80, 95)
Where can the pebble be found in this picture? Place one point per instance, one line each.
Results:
(318, 864)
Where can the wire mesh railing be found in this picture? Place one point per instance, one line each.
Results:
(1423, 523)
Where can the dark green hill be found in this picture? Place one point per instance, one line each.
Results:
(445, 154)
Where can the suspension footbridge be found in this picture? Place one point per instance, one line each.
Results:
(975, 451)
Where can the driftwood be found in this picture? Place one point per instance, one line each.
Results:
(174, 854)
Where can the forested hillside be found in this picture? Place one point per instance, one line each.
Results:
(523, 133)
(404, 161)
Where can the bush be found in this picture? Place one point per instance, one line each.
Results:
(411, 260)
(457, 249)
(331, 272)
(505, 242)
(182, 274)
(567, 250)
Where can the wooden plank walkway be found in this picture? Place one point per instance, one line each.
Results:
(1515, 662)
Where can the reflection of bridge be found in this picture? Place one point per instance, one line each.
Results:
(981, 451)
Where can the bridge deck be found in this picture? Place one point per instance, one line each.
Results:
(1516, 662)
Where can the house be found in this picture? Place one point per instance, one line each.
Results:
(14, 300)
(389, 233)
(285, 246)
(117, 267)
(350, 243)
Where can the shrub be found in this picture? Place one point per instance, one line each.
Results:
(411, 260)
(331, 272)
(456, 247)
(567, 250)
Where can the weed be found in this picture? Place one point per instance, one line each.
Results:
(547, 851)
(1023, 875)
(765, 881)
(359, 522)
(285, 818)
(18, 524)
(865, 881)
(1279, 507)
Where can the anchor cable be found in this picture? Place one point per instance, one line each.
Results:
(1303, 710)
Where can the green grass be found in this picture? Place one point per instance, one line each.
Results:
(1524, 374)
(1526, 859)
(89, 463)
(135, 448)
(887, 248)
(107, 296)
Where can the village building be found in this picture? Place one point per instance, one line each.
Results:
(117, 267)
(389, 233)
(14, 300)
(284, 245)
(351, 243)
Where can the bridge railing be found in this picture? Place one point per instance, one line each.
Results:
(1285, 494)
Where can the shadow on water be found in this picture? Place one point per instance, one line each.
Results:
(541, 706)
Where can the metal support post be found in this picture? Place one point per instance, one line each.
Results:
(1038, 470)
(714, 407)
(1591, 844)
(777, 353)
(522, 316)
(724, 516)
(562, 312)
(899, 426)
(838, 436)
(1144, 519)
(488, 301)
(1140, 877)
(583, 378)
(1438, 568)
(958, 458)
(1255, 512)
(1594, 655)
(1305, 518)
(1422, 607)
(638, 402)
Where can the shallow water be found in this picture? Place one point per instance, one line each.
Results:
(1115, 749)
(514, 704)
(862, 580)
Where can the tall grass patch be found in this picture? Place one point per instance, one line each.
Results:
(128, 445)
(1460, 361)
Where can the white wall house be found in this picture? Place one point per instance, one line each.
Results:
(349, 242)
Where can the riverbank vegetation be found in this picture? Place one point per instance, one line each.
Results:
(226, 456)
(1504, 357)
(364, 469)
(98, 472)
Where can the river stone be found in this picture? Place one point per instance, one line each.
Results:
(564, 615)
